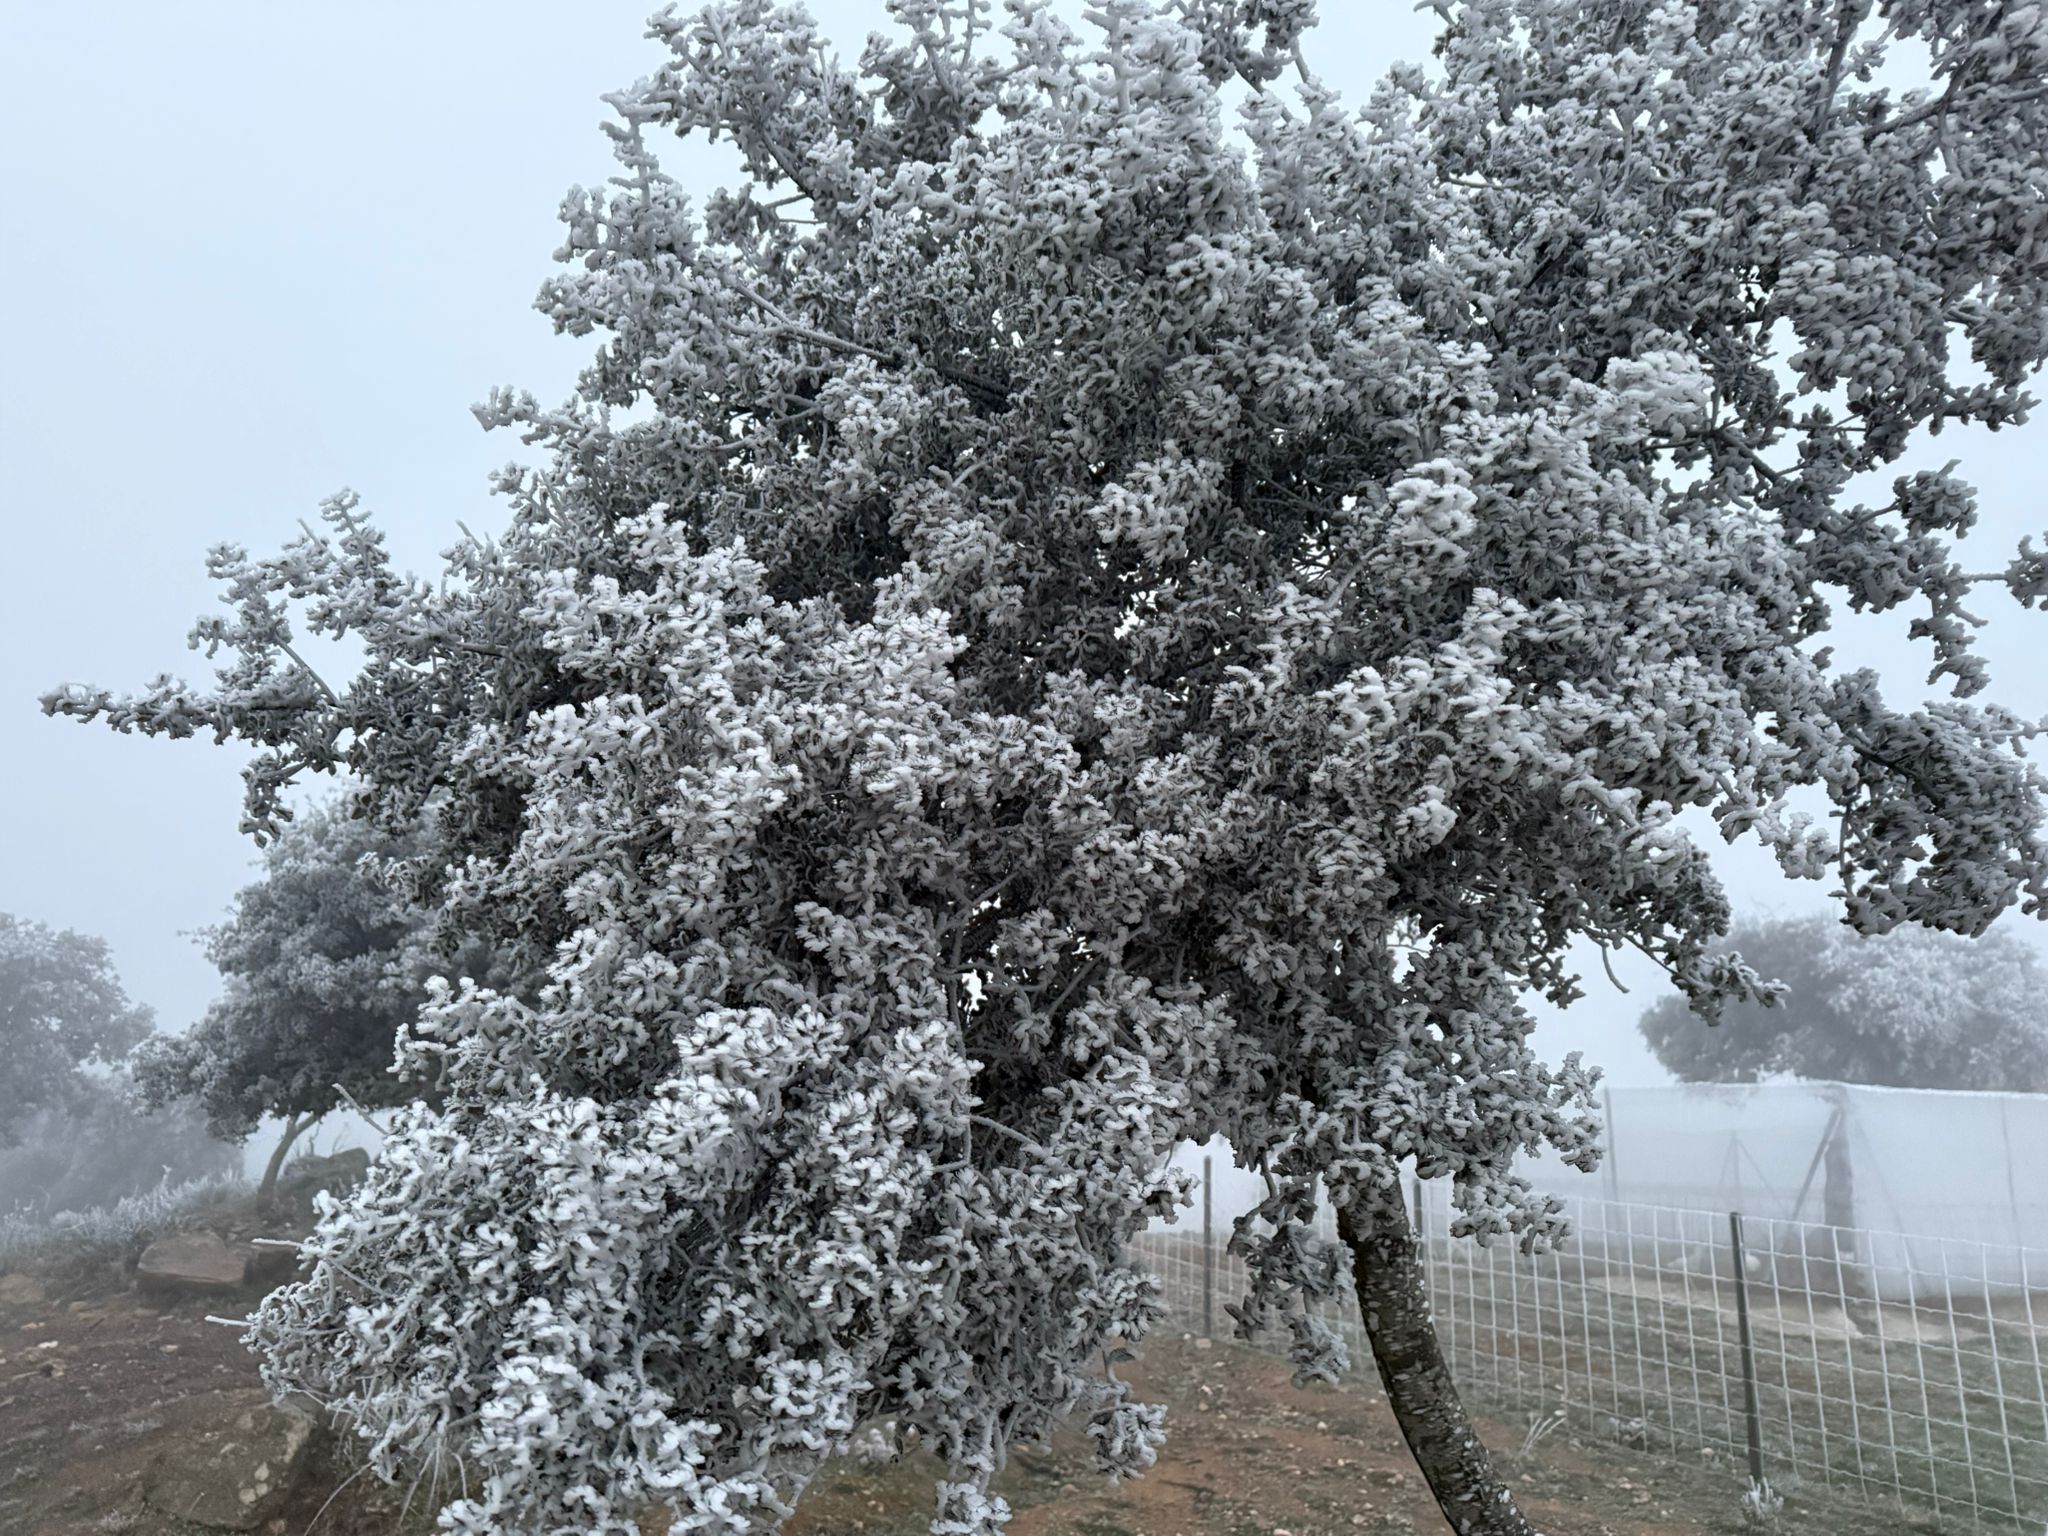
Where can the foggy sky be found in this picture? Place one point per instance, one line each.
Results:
(257, 252)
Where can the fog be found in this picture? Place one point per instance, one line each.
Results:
(261, 253)
(258, 252)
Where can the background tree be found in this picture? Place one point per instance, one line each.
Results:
(65, 1021)
(102, 1148)
(1048, 630)
(324, 962)
(1910, 1009)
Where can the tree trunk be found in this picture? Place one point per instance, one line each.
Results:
(1395, 1305)
(293, 1129)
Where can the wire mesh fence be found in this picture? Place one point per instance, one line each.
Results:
(1879, 1370)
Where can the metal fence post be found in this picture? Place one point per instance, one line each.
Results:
(1752, 1411)
(1208, 1254)
(1611, 1163)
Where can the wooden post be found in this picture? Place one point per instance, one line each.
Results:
(1752, 1412)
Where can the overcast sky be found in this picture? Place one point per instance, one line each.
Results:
(257, 252)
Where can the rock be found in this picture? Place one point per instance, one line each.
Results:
(268, 1266)
(344, 1170)
(233, 1477)
(21, 1291)
(189, 1263)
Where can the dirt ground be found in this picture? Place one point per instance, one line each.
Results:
(1250, 1454)
(92, 1389)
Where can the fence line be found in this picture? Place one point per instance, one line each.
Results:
(1887, 1366)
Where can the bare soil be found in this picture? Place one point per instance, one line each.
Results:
(92, 1388)
(1250, 1454)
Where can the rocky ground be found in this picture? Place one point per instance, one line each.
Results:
(123, 1409)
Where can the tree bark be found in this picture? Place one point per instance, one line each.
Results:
(1395, 1305)
(293, 1129)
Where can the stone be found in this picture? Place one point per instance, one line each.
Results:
(234, 1476)
(189, 1263)
(342, 1171)
(268, 1265)
(21, 1291)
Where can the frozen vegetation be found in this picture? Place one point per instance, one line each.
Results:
(1103, 596)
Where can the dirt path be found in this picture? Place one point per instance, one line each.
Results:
(89, 1390)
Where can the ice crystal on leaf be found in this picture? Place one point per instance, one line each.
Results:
(1100, 630)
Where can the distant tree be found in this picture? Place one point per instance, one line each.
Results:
(63, 1013)
(1050, 628)
(324, 962)
(104, 1147)
(1905, 1009)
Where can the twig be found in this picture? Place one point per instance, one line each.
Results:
(806, 333)
(352, 1104)
(1017, 1136)
(1608, 966)
(300, 662)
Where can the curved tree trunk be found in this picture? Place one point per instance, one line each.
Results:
(296, 1126)
(1395, 1305)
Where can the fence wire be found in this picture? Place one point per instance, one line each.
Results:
(1888, 1367)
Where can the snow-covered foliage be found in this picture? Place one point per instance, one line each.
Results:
(1761, 1506)
(1908, 1009)
(64, 1020)
(1049, 628)
(110, 1232)
(323, 964)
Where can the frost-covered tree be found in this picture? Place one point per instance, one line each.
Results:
(103, 1147)
(1912, 1008)
(65, 1021)
(1050, 627)
(323, 963)
(1909, 1009)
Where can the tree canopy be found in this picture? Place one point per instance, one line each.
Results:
(63, 1013)
(1050, 627)
(1910, 1009)
(323, 964)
